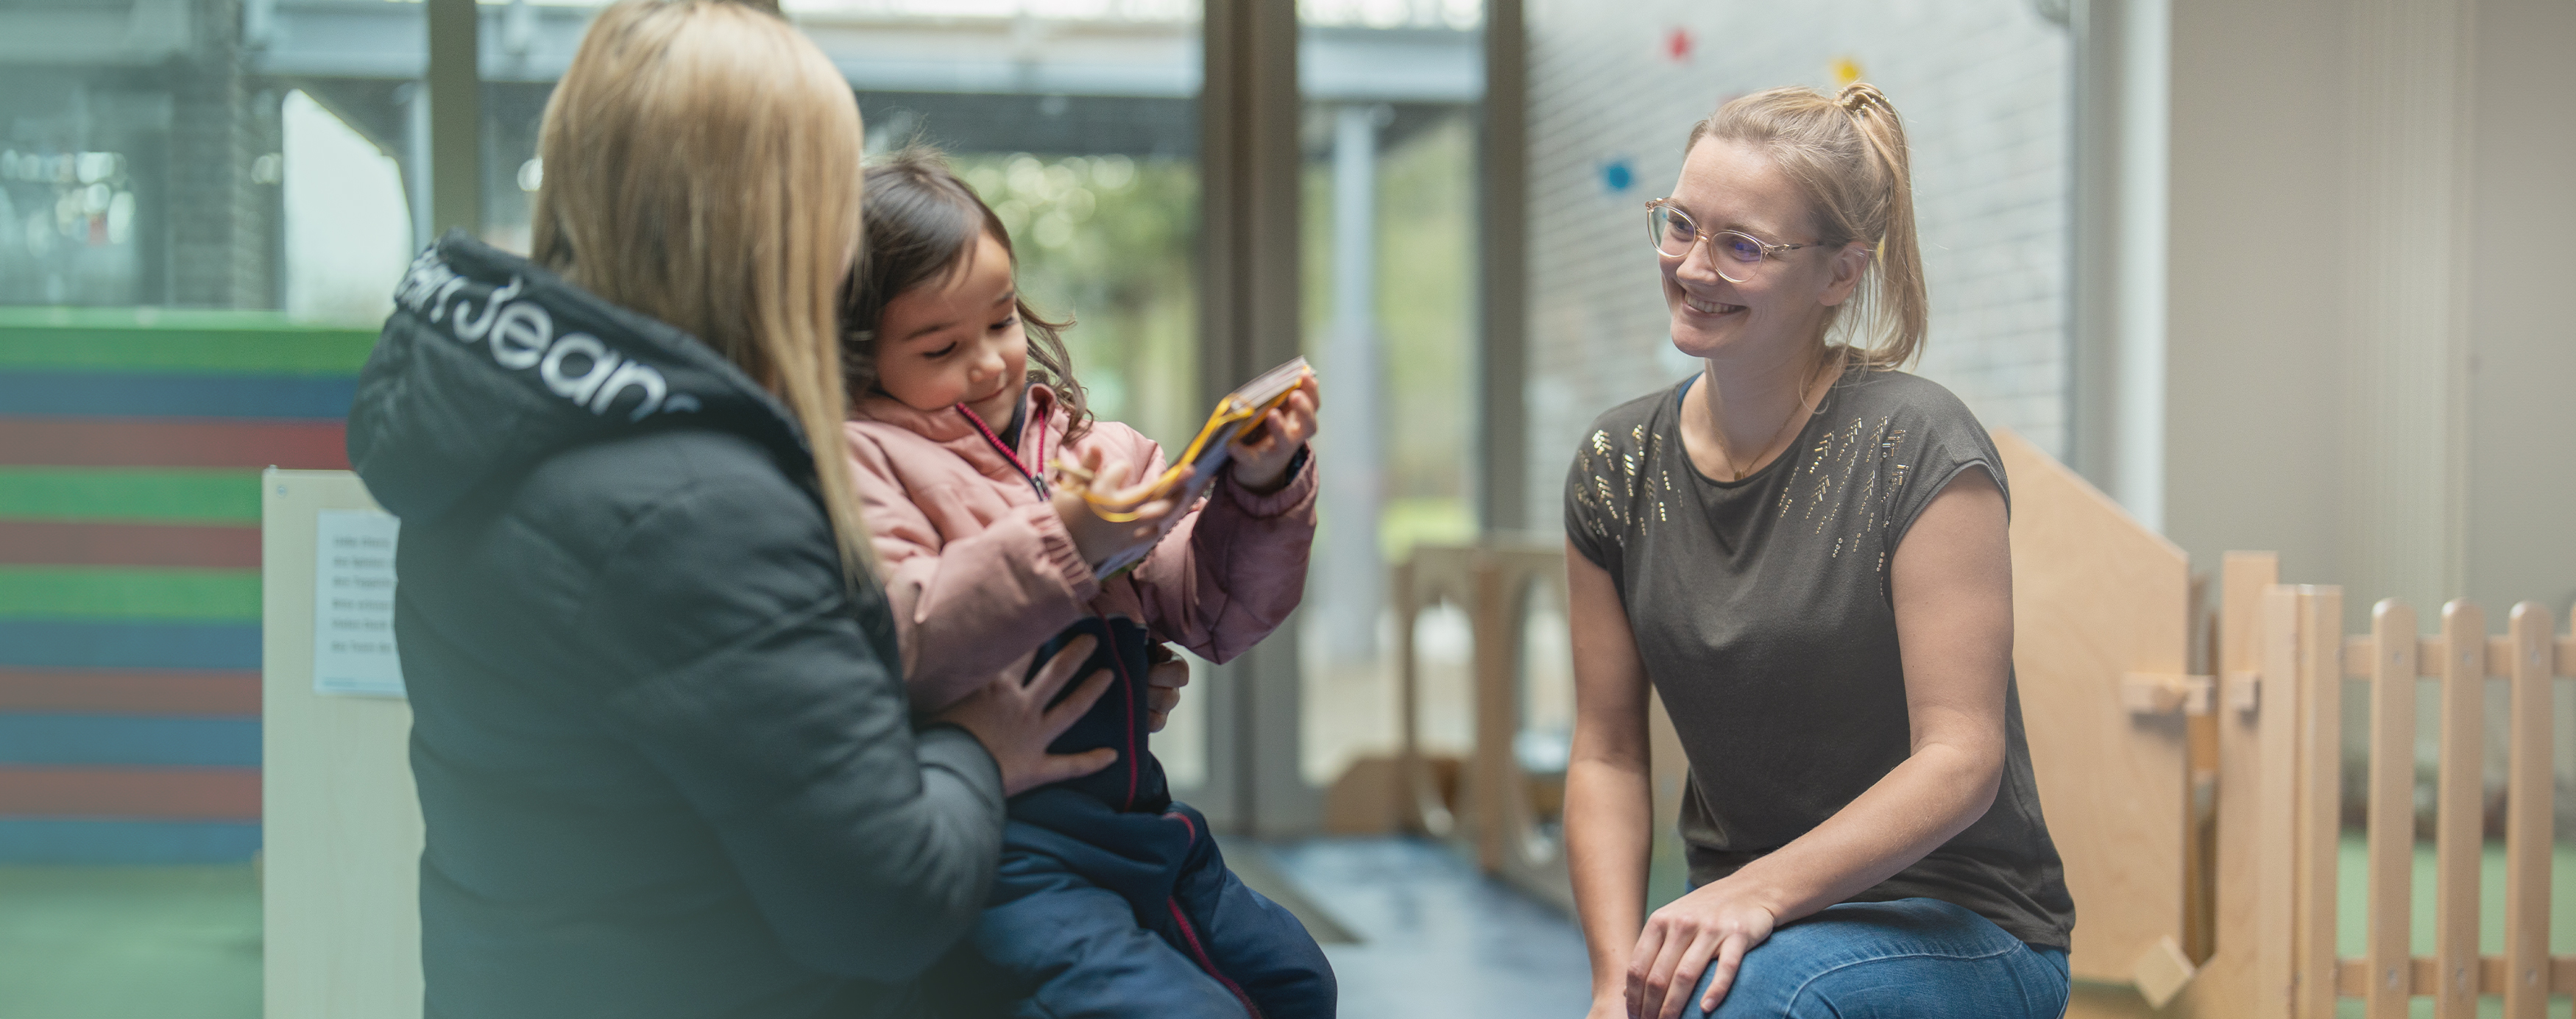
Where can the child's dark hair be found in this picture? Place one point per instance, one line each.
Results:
(920, 222)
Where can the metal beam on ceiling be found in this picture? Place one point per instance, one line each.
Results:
(535, 42)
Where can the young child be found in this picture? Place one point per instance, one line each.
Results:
(1112, 899)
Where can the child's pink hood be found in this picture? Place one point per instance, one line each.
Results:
(980, 571)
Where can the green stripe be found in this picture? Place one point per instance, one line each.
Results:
(151, 340)
(60, 592)
(166, 496)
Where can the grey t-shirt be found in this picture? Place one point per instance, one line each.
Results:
(1762, 612)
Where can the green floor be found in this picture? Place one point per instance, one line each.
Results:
(129, 942)
(2352, 921)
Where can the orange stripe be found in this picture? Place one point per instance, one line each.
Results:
(195, 794)
(83, 543)
(130, 691)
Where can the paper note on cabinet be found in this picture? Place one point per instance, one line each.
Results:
(353, 603)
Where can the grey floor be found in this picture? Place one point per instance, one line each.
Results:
(1432, 937)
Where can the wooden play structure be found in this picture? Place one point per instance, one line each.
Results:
(1500, 802)
(2199, 810)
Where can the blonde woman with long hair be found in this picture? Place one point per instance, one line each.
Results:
(660, 731)
(1801, 548)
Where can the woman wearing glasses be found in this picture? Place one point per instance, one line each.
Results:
(1803, 550)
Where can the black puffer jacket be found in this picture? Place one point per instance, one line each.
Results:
(662, 749)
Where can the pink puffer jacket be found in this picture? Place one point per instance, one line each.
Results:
(980, 570)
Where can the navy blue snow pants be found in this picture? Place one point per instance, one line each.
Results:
(1113, 900)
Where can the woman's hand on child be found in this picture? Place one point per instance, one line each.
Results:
(1015, 725)
(1163, 682)
(1098, 539)
(1263, 452)
(1712, 927)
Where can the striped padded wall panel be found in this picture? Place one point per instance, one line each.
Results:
(130, 448)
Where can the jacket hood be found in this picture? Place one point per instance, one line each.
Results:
(490, 364)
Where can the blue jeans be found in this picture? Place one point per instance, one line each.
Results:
(1911, 958)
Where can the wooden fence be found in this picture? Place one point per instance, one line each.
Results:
(2287, 662)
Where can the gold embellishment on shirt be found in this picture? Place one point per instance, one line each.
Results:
(1869, 482)
(1850, 461)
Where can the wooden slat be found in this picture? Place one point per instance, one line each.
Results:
(2557, 976)
(1490, 773)
(2461, 807)
(2250, 914)
(1417, 586)
(2276, 831)
(2356, 657)
(2391, 819)
(2318, 634)
(2526, 815)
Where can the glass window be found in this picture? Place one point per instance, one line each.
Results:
(1391, 92)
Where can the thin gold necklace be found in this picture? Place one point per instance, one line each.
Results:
(1797, 403)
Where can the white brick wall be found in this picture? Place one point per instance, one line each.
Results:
(1984, 86)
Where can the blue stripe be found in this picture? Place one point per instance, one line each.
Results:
(101, 394)
(117, 741)
(83, 840)
(64, 644)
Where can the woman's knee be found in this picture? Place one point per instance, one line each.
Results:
(1914, 957)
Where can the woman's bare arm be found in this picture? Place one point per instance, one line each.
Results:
(1609, 799)
(1951, 578)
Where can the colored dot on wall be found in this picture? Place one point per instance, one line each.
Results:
(1846, 70)
(1677, 45)
(1618, 176)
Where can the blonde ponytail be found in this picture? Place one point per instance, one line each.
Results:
(1848, 154)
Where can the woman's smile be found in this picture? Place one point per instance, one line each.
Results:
(1708, 307)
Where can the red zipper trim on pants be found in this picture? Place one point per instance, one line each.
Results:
(1208, 964)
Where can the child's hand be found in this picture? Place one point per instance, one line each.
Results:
(1163, 682)
(1099, 540)
(1262, 452)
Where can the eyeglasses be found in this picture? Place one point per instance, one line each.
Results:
(1737, 254)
